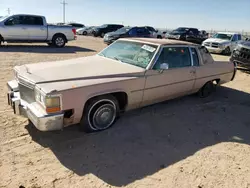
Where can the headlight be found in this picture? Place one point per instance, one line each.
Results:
(52, 104)
(222, 46)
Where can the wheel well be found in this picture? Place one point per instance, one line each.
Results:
(59, 34)
(122, 99)
(217, 81)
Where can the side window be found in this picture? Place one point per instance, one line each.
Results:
(234, 38)
(32, 20)
(205, 55)
(133, 32)
(195, 57)
(15, 20)
(174, 57)
(239, 37)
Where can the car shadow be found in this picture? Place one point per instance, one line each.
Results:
(43, 49)
(245, 69)
(144, 141)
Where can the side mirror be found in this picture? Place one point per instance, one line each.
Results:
(247, 39)
(164, 66)
(156, 31)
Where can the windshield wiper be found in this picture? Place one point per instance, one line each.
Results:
(118, 59)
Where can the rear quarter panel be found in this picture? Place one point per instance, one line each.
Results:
(66, 30)
(213, 70)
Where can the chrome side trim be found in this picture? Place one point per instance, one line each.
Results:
(191, 56)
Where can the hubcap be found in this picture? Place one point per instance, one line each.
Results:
(104, 116)
(59, 41)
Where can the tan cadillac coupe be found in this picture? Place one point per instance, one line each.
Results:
(130, 73)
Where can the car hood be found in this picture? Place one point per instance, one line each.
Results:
(245, 44)
(85, 68)
(113, 34)
(220, 41)
(177, 33)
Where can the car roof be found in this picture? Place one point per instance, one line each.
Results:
(26, 15)
(160, 41)
(227, 33)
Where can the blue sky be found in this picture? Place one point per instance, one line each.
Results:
(211, 14)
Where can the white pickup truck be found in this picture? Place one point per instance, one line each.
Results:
(34, 28)
(222, 42)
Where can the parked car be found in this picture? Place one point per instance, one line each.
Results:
(126, 32)
(222, 42)
(241, 54)
(106, 28)
(129, 74)
(84, 31)
(76, 25)
(156, 33)
(33, 28)
(187, 34)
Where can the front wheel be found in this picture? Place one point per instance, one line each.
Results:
(100, 113)
(226, 51)
(59, 41)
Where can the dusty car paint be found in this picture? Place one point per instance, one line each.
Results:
(78, 80)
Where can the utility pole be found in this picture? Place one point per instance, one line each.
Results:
(64, 4)
(8, 10)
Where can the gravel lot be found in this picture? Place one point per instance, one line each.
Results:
(187, 142)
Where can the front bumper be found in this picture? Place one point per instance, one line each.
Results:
(214, 50)
(109, 41)
(33, 111)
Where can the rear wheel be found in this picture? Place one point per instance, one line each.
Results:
(100, 113)
(206, 90)
(59, 41)
(84, 33)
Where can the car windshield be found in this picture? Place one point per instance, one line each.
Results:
(103, 26)
(2, 18)
(134, 53)
(180, 30)
(123, 30)
(223, 36)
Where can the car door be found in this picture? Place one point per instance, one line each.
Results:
(36, 28)
(142, 32)
(171, 76)
(234, 42)
(14, 29)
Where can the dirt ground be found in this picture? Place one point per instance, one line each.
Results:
(186, 142)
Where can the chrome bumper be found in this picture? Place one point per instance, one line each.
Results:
(33, 111)
(214, 50)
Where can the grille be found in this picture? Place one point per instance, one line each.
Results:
(27, 94)
(207, 44)
(244, 53)
(215, 45)
(245, 50)
(26, 90)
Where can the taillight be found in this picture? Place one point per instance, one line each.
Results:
(74, 31)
